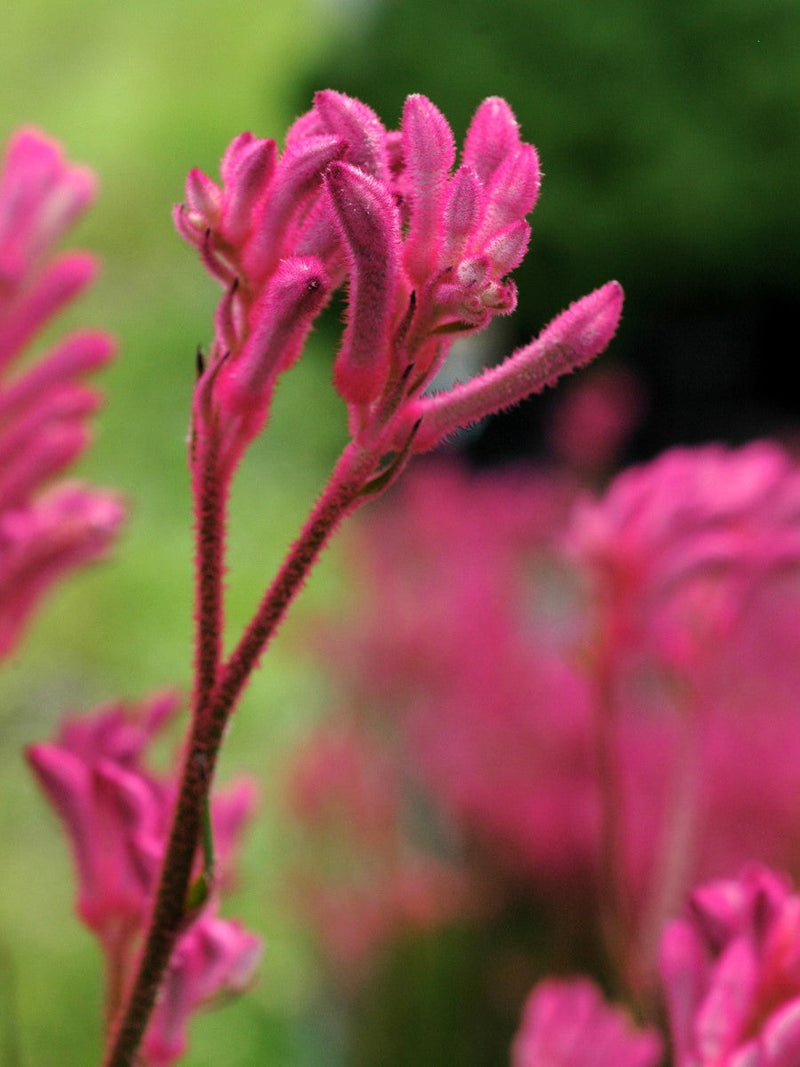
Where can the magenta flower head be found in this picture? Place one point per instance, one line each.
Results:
(116, 813)
(569, 1024)
(425, 245)
(678, 546)
(215, 959)
(731, 974)
(44, 407)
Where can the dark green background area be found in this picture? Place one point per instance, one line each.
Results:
(669, 135)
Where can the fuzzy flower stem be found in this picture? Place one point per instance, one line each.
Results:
(210, 492)
(342, 495)
(170, 904)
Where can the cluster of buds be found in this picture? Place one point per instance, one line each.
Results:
(425, 249)
(116, 813)
(45, 405)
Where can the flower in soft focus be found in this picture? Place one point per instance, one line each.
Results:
(731, 974)
(215, 958)
(470, 661)
(569, 1024)
(677, 548)
(593, 418)
(116, 813)
(692, 565)
(44, 405)
(426, 251)
(377, 884)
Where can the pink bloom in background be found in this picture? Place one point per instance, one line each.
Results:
(509, 627)
(349, 796)
(116, 813)
(692, 565)
(215, 959)
(569, 1024)
(676, 549)
(45, 530)
(592, 418)
(731, 974)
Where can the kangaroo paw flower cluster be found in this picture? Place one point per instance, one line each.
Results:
(569, 1024)
(425, 246)
(731, 971)
(116, 813)
(45, 529)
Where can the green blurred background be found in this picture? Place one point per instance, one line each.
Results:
(670, 141)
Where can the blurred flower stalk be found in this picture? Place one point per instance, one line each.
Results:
(597, 708)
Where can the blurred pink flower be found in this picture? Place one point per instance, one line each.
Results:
(376, 883)
(116, 813)
(569, 1024)
(731, 972)
(44, 406)
(592, 418)
(677, 547)
(509, 629)
(215, 959)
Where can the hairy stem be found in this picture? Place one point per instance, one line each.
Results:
(168, 918)
(210, 494)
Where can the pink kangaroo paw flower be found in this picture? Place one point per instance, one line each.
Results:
(429, 156)
(44, 408)
(358, 127)
(278, 325)
(27, 311)
(41, 195)
(116, 813)
(493, 135)
(568, 1024)
(215, 959)
(731, 976)
(66, 528)
(574, 338)
(370, 228)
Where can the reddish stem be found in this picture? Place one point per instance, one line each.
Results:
(341, 496)
(210, 490)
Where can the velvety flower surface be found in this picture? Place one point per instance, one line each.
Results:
(569, 1024)
(45, 530)
(426, 244)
